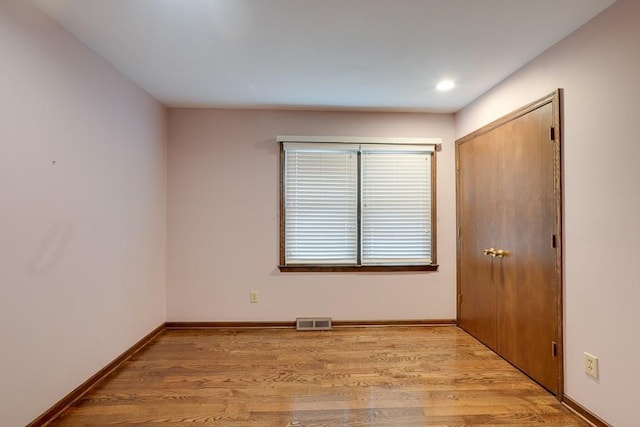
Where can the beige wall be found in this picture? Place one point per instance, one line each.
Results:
(599, 68)
(223, 222)
(81, 242)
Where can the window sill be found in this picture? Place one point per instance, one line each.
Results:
(357, 268)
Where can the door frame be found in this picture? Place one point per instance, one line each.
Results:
(556, 135)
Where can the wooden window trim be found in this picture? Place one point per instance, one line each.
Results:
(292, 268)
(355, 268)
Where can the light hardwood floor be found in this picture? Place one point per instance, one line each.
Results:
(385, 376)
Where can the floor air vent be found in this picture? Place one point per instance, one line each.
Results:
(313, 323)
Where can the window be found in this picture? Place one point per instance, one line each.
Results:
(356, 204)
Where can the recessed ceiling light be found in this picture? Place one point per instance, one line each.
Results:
(445, 85)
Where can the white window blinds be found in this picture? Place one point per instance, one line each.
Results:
(320, 186)
(357, 204)
(396, 205)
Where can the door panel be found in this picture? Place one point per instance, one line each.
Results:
(478, 304)
(509, 198)
(527, 318)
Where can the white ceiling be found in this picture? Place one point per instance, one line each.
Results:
(322, 54)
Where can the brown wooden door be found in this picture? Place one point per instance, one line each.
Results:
(477, 311)
(508, 199)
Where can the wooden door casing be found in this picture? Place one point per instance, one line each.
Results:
(509, 198)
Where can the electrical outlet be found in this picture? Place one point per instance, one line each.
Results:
(591, 365)
(253, 297)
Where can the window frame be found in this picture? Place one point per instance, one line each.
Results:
(283, 267)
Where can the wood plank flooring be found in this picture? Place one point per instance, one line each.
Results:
(393, 376)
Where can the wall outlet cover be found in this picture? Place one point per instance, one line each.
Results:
(591, 365)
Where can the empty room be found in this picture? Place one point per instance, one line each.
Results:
(319, 212)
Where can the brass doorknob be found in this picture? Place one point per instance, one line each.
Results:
(500, 253)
